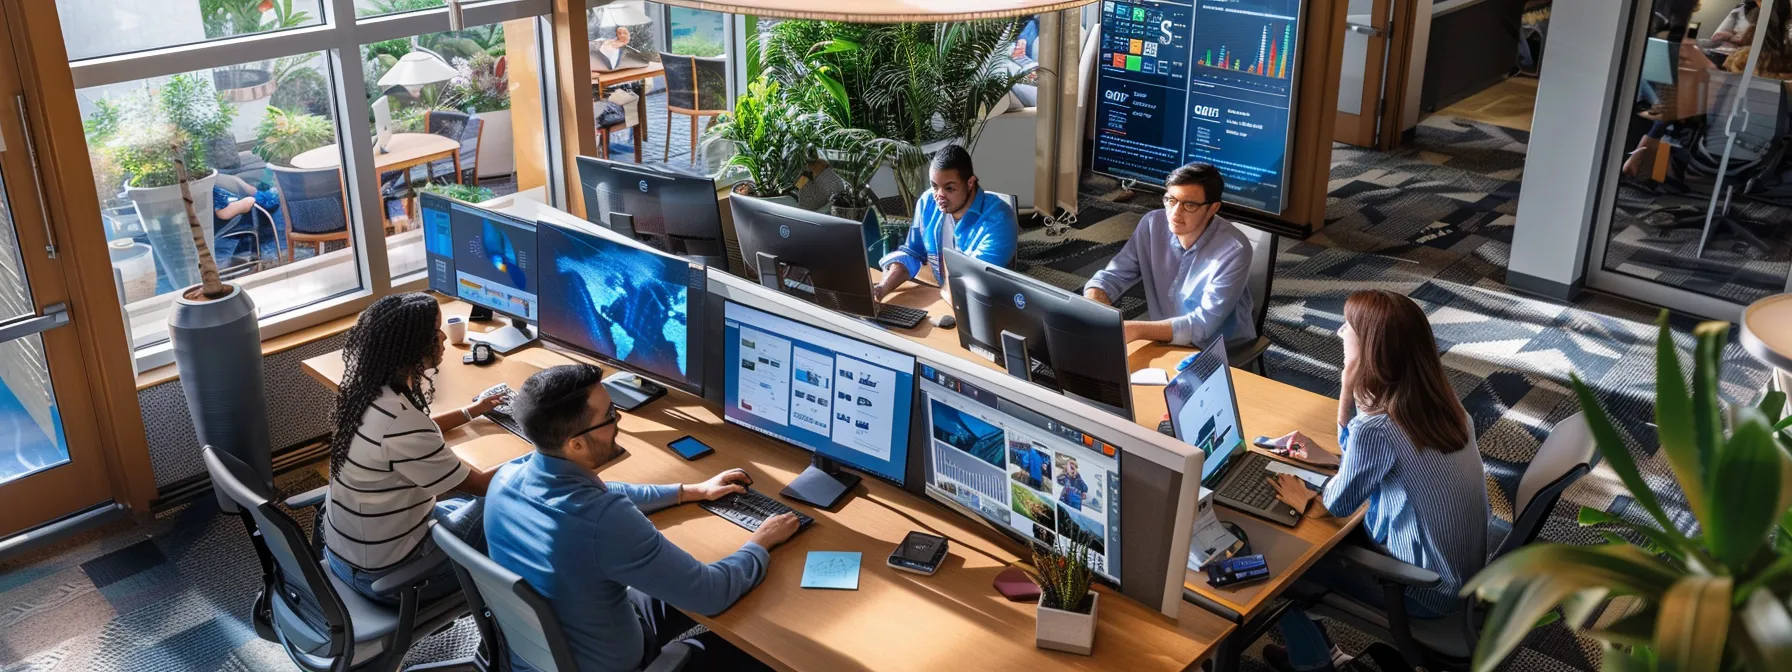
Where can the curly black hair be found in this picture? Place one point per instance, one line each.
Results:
(390, 346)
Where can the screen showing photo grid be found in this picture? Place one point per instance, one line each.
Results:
(1033, 476)
(844, 398)
(618, 301)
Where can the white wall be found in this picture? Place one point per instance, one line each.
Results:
(1569, 141)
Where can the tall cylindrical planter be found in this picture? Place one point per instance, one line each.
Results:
(164, 217)
(217, 349)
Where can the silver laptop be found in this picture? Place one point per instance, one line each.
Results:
(606, 60)
(1204, 413)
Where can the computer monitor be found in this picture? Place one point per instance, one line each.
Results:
(1661, 60)
(815, 257)
(1041, 333)
(1029, 475)
(846, 401)
(1204, 409)
(623, 303)
(669, 210)
(493, 266)
(438, 241)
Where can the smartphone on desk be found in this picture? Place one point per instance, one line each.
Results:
(689, 447)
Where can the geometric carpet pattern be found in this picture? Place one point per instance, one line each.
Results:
(1432, 221)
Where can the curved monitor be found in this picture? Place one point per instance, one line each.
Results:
(622, 302)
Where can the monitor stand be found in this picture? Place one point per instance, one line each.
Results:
(768, 272)
(630, 391)
(479, 314)
(822, 484)
(507, 339)
(1014, 356)
(623, 224)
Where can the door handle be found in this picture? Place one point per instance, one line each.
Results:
(55, 315)
(1365, 29)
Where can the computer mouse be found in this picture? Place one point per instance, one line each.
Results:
(1187, 361)
(945, 322)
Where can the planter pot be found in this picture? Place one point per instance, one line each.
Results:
(244, 85)
(136, 265)
(1072, 632)
(164, 219)
(217, 349)
(497, 154)
(854, 214)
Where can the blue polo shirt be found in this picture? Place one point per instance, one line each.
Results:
(582, 543)
(989, 231)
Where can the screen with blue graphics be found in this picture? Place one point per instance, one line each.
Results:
(1208, 81)
(621, 302)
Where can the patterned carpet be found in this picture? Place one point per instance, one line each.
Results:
(1432, 221)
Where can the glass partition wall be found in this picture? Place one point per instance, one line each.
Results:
(1700, 182)
(647, 61)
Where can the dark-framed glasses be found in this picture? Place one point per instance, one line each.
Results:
(1187, 207)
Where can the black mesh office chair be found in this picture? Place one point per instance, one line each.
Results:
(323, 624)
(696, 87)
(1262, 276)
(1449, 642)
(513, 618)
(1760, 129)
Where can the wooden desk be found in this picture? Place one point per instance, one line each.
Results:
(403, 150)
(1266, 407)
(603, 80)
(896, 620)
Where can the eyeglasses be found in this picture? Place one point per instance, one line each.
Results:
(1187, 207)
(610, 417)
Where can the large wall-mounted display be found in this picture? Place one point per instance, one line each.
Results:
(1207, 80)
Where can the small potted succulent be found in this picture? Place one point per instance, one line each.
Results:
(1067, 606)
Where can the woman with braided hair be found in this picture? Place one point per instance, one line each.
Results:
(388, 461)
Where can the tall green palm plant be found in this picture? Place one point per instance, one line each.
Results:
(1712, 600)
(768, 138)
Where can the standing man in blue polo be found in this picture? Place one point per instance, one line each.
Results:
(954, 214)
(1194, 263)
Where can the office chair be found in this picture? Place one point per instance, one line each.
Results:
(696, 87)
(323, 624)
(512, 617)
(246, 225)
(1262, 275)
(1449, 642)
(1760, 146)
(463, 128)
(313, 205)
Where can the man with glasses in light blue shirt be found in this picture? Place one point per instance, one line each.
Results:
(1195, 266)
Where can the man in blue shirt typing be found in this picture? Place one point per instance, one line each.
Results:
(587, 546)
(1194, 263)
(955, 214)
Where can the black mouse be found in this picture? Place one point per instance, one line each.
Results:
(945, 322)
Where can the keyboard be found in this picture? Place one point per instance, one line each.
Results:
(1252, 487)
(1166, 428)
(507, 421)
(900, 317)
(502, 413)
(749, 509)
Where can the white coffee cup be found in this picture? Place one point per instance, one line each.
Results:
(457, 330)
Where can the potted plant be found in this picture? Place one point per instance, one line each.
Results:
(855, 155)
(230, 18)
(140, 135)
(460, 192)
(483, 88)
(1713, 600)
(767, 139)
(284, 134)
(1067, 607)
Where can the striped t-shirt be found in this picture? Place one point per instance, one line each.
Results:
(386, 491)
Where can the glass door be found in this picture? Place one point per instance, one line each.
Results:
(50, 458)
(1361, 76)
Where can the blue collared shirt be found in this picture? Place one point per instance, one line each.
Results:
(582, 543)
(989, 232)
(1426, 507)
(1202, 290)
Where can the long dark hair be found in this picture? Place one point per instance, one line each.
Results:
(389, 346)
(1775, 56)
(1400, 373)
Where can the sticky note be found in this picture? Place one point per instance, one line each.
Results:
(836, 570)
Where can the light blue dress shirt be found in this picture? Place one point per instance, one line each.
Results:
(989, 232)
(1426, 507)
(1202, 290)
(582, 543)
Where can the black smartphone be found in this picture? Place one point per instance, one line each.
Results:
(689, 448)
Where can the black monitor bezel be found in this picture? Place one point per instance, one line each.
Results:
(508, 219)
(751, 243)
(663, 173)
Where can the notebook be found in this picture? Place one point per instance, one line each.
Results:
(836, 570)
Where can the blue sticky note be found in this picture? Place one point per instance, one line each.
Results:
(838, 570)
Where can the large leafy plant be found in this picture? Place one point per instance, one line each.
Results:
(769, 139)
(1715, 599)
(141, 133)
(284, 134)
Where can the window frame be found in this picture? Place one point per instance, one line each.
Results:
(339, 37)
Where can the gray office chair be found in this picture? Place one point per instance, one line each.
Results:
(323, 624)
(1760, 148)
(1263, 271)
(1449, 642)
(512, 617)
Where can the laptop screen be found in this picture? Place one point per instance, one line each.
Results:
(1204, 410)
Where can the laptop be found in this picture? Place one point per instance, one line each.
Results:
(611, 60)
(382, 123)
(1204, 414)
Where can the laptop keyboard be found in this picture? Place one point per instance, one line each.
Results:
(1251, 487)
(750, 509)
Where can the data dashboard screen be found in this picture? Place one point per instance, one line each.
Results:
(1035, 477)
(1208, 81)
(494, 261)
(828, 393)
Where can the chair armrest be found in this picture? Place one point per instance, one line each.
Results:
(411, 573)
(673, 657)
(1386, 568)
(310, 499)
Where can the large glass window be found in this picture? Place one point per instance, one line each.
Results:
(661, 79)
(285, 207)
(94, 28)
(1699, 217)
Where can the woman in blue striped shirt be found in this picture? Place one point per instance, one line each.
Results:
(1409, 453)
